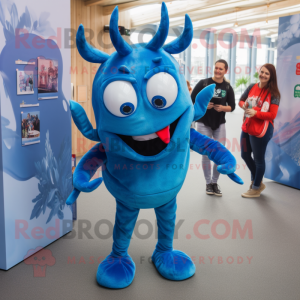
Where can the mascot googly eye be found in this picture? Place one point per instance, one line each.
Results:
(120, 98)
(162, 90)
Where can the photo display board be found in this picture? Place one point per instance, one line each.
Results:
(283, 151)
(35, 148)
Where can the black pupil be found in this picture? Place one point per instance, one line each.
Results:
(158, 102)
(127, 109)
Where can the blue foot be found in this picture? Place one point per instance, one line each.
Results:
(173, 265)
(116, 272)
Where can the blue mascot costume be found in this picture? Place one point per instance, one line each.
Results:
(143, 114)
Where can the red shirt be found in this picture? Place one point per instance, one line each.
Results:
(259, 96)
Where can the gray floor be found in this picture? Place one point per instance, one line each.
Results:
(273, 271)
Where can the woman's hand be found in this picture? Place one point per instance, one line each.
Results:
(250, 112)
(210, 105)
(245, 106)
(219, 108)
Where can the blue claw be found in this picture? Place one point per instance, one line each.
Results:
(88, 187)
(235, 178)
(202, 100)
(73, 197)
(227, 168)
(82, 122)
(87, 168)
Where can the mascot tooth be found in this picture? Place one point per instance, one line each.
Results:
(143, 114)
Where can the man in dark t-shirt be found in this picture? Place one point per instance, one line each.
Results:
(212, 124)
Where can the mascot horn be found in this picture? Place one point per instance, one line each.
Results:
(143, 113)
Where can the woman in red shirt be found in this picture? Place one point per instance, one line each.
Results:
(260, 102)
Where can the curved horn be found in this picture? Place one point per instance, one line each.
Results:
(88, 52)
(162, 33)
(183, 41)
(119, 43)
(82, 122)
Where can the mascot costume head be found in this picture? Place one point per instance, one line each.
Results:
(143, 114)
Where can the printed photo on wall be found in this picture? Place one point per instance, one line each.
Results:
(30, 127)
(24, 82)
(47, 75)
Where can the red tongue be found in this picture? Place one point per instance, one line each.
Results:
(164, 135)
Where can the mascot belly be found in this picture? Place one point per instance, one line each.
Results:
(143, 114)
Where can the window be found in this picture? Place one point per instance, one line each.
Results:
(198, 59)
(261, 56)
(223, 51)
(135, 36)
(241, 70)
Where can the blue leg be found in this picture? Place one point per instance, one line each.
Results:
(171, 264)
(118, 269)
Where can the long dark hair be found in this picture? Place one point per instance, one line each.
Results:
(272, 86)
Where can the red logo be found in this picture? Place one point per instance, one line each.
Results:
(298, 69)
(39, 258)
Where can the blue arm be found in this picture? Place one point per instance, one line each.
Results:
(202, 100)
(215, 152)
(82, 122)
(85, 170)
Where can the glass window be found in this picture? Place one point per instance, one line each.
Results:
(223, 53)
(261, 55)
(134, 37)
(198, 57)
(241, 70)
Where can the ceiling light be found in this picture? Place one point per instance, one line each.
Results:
(236, 22)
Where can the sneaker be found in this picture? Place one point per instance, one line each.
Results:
(261, 188)
(216, 189)
(252, 193)
(209, 189)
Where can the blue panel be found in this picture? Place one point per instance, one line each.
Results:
(38, 177)
(2, 223)
(271, 57)
(283, 151)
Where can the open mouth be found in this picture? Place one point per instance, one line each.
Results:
(150, 144)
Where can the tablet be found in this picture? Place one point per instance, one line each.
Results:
(216, 100)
